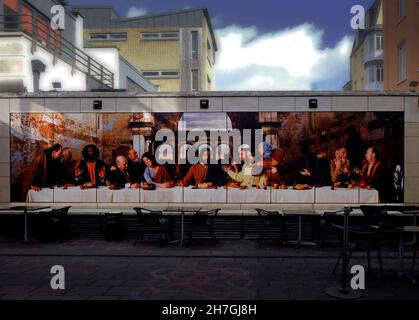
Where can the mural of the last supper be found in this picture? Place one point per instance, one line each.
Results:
(260, 157)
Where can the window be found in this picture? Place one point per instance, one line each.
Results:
(402, 8)
(379, 45)
(160, 35)
(209, 52)
(402, 62)
(371, 74)
(169, 73)
(379, 74)
(161, 74)
(108, 36)
(148, 36)
(195, 45)
(171, 35)
(194, 82)
(151, 73)
(98, 37)
(117, 36)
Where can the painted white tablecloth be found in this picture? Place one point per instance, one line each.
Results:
(250, 195)
(292, 196)
(105, 195)
(43, 196)
(75, 195)
(342, 195)
(189, 195)
(174, 195)
(368, 196)
(205, 195)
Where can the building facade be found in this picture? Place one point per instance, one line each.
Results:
(176, 51)
(401, 47)
(367, 71)
(34, 56)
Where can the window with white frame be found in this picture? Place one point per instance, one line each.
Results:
(371, 74)
(194, 45)
(161, 74)
(379, 43)
(159, 36)
(379, 74)
(108, 36)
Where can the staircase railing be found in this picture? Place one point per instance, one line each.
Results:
(39, 30)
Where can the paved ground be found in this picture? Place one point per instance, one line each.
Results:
(235, 270)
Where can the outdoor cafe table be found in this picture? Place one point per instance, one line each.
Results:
(26, 210)
(182, 211)
(300, 215)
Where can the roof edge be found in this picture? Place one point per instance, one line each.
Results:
(210, 94)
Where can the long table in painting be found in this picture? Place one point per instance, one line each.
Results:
(216, 196)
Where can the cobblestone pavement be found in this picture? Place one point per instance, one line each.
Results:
(236, 270)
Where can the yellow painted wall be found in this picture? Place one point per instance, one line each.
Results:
(357, 69)
(167, 84)
(146, 55)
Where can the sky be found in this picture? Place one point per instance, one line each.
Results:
(269, 44)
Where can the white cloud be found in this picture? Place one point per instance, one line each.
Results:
(290, 59)
(134, 11)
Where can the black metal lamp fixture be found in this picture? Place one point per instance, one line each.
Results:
(57, 85)
(313, 103)
(204, 104)
(97, 104)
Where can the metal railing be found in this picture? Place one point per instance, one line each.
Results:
(39, 30)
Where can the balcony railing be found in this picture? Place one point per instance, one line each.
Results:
(41, 34)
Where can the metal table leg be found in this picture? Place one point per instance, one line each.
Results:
(299, 241)
(25, 239)
(344, 291)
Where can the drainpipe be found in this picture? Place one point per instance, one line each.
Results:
(37, 68)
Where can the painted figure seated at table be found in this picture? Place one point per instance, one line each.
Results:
(47, 168)
(135, 166)
(155, 174)
(340, 169)
(120, 178)
(91, 171)
(200, 173)
(374, 175)
(272, 162)
(316, 172)
(67, 168)
(249, 175)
